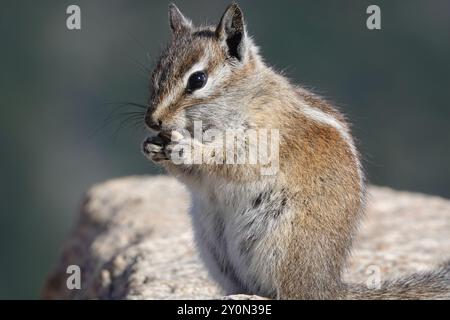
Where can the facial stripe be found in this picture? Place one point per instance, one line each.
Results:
(178, 89)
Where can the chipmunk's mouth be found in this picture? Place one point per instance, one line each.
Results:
(161, 140)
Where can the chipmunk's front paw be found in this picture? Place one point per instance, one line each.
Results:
(154, 149)
(179, 150)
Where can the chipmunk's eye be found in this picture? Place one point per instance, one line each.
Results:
(196, 81)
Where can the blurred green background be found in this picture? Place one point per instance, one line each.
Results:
(394, 84)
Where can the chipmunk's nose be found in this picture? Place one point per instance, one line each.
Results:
(152, 123)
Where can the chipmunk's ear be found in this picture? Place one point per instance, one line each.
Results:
(231, 31)
(178, 22)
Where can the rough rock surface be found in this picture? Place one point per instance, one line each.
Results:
(133, 240)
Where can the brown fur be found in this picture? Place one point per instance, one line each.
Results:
(320, 183)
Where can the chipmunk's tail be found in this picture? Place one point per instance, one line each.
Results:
(423, 285)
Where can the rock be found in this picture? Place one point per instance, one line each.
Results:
(133, 240)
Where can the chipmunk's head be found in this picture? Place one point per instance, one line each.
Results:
(202, 74)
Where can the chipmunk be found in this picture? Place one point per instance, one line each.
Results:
(281, 236)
